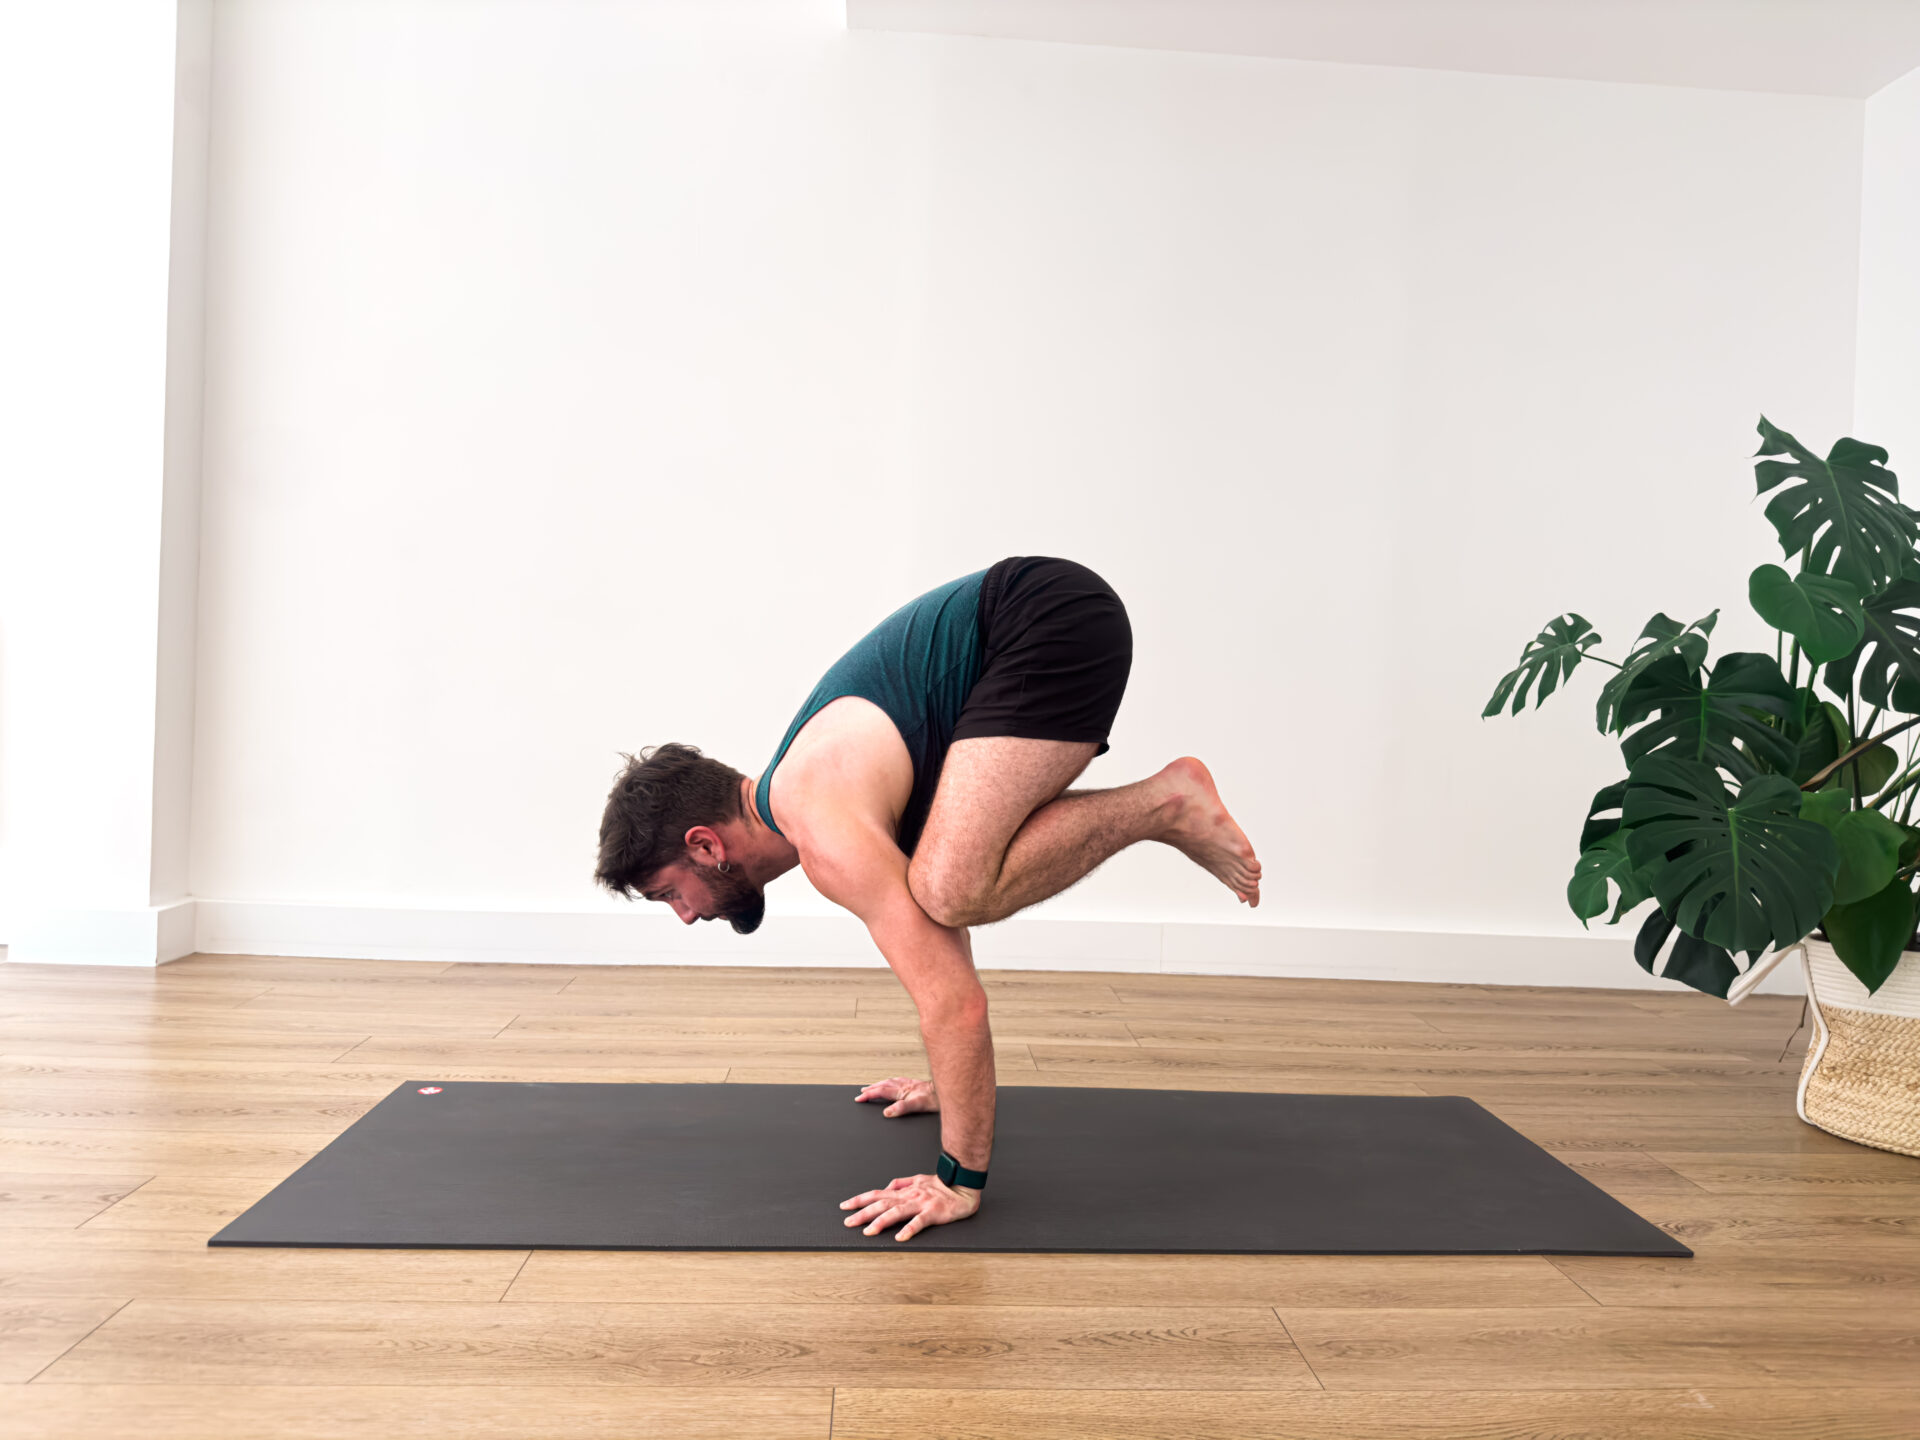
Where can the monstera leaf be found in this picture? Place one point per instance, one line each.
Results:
(1549, 658)
(1870, 934)
(1605, 861)
(1701, 722)
(1843, 512)
(1867, 772)
(1691, 962)
(1741, 873)
(1888, 654)
(1868, 841)
(1662, 637)
(1822, 612)
(1599, 824)
(1823, 739)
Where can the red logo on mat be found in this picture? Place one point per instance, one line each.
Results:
(429, 1089)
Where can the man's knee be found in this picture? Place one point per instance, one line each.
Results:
(949, 894)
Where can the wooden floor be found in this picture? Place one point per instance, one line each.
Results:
(139, 1111)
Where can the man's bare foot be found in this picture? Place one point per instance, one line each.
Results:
(1206, 834)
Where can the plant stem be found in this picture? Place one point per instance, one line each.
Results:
(1901, 783)
(1853, 754)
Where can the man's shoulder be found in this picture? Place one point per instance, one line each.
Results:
(847, 763)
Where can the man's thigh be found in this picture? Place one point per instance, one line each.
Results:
(988, 787)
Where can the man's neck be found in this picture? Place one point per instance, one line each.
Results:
(759, 850)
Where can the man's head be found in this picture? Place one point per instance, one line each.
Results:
(664, 837)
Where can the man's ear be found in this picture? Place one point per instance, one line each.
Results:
(704, 846)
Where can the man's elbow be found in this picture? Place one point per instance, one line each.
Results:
(961, 1013)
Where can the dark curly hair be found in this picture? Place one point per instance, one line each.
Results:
(664, 792)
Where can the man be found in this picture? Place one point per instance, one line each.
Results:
(923, 786)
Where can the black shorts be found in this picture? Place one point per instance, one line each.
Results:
(1056, 648)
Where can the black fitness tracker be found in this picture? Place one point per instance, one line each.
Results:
(952, 1172)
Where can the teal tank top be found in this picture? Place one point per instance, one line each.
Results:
(917, 665)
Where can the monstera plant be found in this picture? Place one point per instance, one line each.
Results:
(1764, 797)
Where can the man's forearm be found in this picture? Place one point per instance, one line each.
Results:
(960, 1051)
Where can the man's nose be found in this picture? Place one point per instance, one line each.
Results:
(686, 913)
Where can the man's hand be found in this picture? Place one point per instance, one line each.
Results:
(920, 1200)
(908, 1096)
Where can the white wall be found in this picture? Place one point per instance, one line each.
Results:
(103, 123)
(1887, 404)
(587, 376)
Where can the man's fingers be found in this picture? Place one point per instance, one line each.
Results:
(891, 1217)
(893, 1109)
(913, 1227)
(865, 1197)
(860, 1217)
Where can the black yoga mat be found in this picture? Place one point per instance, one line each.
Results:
(454, 1165)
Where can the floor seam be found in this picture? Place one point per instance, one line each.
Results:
(103, 1210)
(1296, 1348)
(81, 1341)
(833, 1404)
(1573, 1282)
(516, 1278)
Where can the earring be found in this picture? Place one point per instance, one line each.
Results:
(725, 866)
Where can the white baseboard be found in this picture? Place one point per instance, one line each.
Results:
(235, 927)
(150, 935)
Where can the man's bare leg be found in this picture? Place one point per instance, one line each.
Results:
(1002, 836)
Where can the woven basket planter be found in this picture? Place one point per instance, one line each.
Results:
(1861, 1078)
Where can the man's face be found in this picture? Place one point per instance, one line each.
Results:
(704, 892)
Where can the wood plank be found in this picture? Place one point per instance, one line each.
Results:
(36, 1332)
(1319, 1022)
(1864, 1172)
(133, 1041)
(1078, 1414)
(1563, 1070)
(103, 982)
(1184, 1035)
(413, 1412)
(1396, 994)
(860, 1278)
(849, 983)
(1607, 1027)
(155, 1152)
(296, 1343)
(261, 1017)
(117, 1074)
(1607, 1346)
(69, 1107)
(184, 1202)
(372, 1017)
(178, 1264)
(849, 1030)
(1779, 1131)
(58, 1200)
(1750, 1276)
(1667, 1097)
(272, 968)
(1789, 1223)
(739, 1001)
(1626, 1173)
(27, 1002)
(562, 1050)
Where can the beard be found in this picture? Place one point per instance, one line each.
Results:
(736, 899)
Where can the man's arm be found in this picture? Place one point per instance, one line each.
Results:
(855, 863)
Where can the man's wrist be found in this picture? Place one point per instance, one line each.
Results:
(956, 1176)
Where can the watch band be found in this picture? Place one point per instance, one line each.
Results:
(952, 1172)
